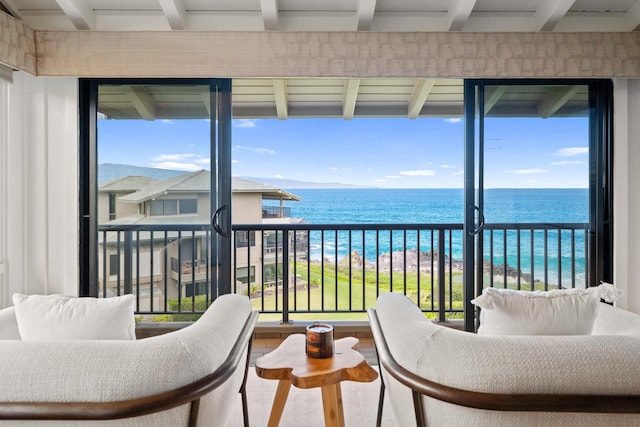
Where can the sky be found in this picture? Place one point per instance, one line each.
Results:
(373, 152)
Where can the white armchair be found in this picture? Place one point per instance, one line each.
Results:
(439, 376)
(176, 379)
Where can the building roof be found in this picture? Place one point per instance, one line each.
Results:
(126, 184)
(243, 185)
(199, 182)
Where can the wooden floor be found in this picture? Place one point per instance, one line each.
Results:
(304, 407)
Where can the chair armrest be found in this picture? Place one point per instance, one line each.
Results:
(587, 403)
(139, 406)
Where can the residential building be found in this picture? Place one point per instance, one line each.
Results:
(177, 264)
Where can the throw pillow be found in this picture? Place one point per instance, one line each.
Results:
(556, 312)
(60, 317)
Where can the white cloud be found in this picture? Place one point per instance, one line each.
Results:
(181, 161)
(567, 162)
(393, 177)
(379, 180)
(333, 168)
(447, 166)
(265, 151)
(235, 162)
(244, 123)
(278, 176)
(420, 172)
(173, 157)
(254, 149)
(572, 151)
(460, 172)
(453, 120)
(169, 122)
(529, 171)
(190, 167)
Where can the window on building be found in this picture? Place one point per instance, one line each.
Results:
(174, 207)
(242, 276)
(114, 264)
(245, 238)
(188, 206)
(112, 206)
(194, 289)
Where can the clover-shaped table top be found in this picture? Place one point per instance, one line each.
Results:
(290, 362)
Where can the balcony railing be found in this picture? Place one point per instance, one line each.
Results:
(276, 212)
(295, 270)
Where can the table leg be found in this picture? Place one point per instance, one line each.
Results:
(278, 403)
(332, 405)
(340, 407)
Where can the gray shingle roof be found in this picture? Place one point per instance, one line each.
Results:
(198, 182)
(127, 183)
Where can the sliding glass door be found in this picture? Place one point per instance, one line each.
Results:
(536, 176)
(156, 194)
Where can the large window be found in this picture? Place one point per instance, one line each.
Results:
(538, 192)
(146, 180)
(174, 207)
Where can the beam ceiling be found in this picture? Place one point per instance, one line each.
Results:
(330, 67)
(328, 15)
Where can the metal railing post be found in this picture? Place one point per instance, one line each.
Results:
(128, 260)
(441, 290)
(285, 276)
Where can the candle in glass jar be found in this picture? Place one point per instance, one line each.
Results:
(319, 342)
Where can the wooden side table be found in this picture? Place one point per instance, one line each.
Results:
(290, 365)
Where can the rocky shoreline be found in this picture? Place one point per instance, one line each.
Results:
(426, 262)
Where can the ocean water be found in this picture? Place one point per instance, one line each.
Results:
(445, 206)
(435, 206)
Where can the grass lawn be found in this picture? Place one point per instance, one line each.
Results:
(337, 294)
(360, 295)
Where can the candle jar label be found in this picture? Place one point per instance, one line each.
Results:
(319, 342)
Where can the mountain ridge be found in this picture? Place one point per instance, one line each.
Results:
(110, 171)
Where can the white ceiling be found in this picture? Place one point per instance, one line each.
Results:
(328, 15)
(347, 98)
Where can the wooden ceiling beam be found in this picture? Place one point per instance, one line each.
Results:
(495, 93)
(142, 102)
(332, 54)
(79, 12)
(280, 93)
(12, 8)
(459, 13)
(175, 12)
(270, 14)
(555, 100)
(17, 44)
(351, 88)
(550, 13)
(364, 14)
(419, 96)
(632, 17)
(206, 100)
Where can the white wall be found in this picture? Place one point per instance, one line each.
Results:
(39, 187)
(626, 195)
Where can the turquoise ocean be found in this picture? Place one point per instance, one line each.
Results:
(445, 206)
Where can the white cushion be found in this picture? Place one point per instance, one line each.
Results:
(556, 312)
(60, 317)
(8, 324)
